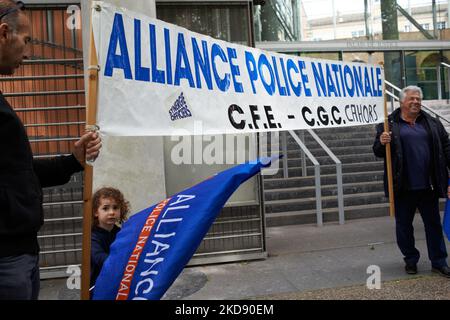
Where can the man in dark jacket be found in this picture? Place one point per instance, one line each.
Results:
(420, 151)
(22, 177)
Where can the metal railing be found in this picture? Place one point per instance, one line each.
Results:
(394, 89)
(319, 212)
(306, 153)
(338, 164)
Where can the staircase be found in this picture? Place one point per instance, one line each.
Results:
(292, 200)
(442, 108)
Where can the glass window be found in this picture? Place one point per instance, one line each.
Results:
(393, 67)
(422, 69)
(312, 20)
(229, 23)
(278, 20)
(363, 57)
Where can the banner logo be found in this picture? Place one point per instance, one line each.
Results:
(180, 109)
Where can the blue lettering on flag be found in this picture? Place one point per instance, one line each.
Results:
(446, 224)
(155, 244)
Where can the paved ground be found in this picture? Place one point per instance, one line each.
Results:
(307, 262)
(417, 288)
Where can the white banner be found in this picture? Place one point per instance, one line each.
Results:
(160, 79)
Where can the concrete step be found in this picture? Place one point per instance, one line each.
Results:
(325, 159)
(292, 200)
(327, 202)
(326, 190)
(338, 151)
(441, 106)
(331, 168)
(292, 145)
(327, 179)
(332, 214)
(329, 215)
(334, 135)
(339, 130)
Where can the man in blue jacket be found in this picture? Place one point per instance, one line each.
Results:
(420, 151)
(22, 177)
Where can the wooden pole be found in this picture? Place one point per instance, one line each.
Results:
(91, 115)
(388, 158)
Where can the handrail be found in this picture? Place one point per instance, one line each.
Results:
(338, 174)
(428, 109)
(316, 164)
(305, 152)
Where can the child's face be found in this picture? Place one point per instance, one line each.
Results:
(108, 213)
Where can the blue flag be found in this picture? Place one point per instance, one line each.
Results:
(155, 244)
(446, 224)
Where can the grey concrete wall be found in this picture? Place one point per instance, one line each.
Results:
(135, 165)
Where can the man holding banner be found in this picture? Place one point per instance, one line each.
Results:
(420, 151)
(22, 177)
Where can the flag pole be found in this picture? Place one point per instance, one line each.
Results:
(388, 158)
(91, 114)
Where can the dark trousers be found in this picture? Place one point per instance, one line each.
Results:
(19, 277)
(427, 202)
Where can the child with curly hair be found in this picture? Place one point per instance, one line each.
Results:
(109, 207)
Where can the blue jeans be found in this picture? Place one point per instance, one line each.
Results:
(19, 277)
(405, 208)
